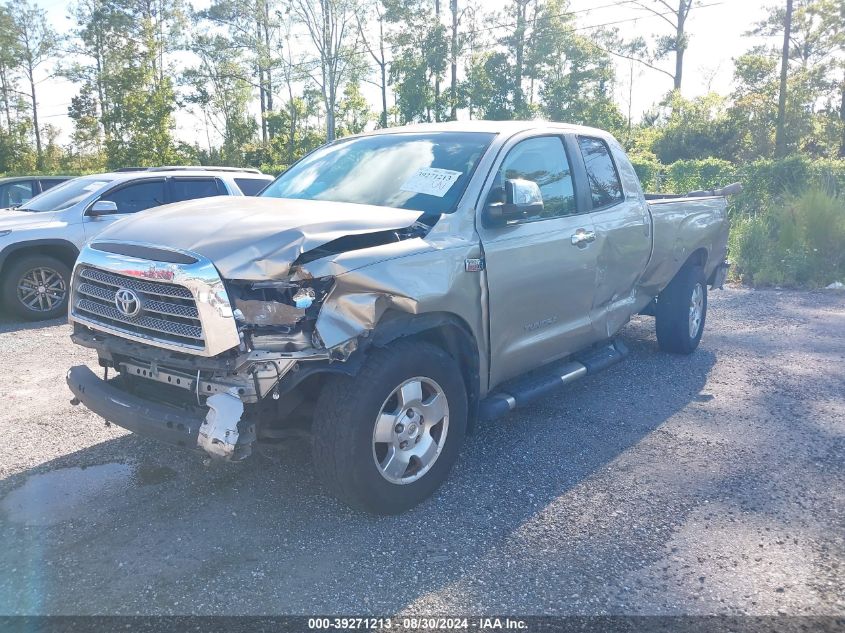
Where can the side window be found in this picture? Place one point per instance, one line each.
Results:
(193, 188)
(605, 187)
(15, 193)
(542, 160)
(137, 196)
(251, 186)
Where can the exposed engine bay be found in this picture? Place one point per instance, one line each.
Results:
(280, 316)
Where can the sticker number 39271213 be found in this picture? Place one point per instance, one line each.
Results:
(431, 181)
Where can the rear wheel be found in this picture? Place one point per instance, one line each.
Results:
(385, 439)
(35, 288)
(681, 311)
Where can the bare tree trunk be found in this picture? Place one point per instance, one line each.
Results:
(780, 135)
(436, 75)
(519, 34)
(329, 55)
(630, 104)
(101, 93)
(383, 117)
(5, 87)
(680, 42)
(453, 114)
(262, 90)
(842, 118)
(330, 119)
(262, 103)
(292, 113)
(269, 76)
(36, 127)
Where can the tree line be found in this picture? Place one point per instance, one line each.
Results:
(272, 79)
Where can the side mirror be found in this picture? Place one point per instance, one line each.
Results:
(102, 207)
(522, 199)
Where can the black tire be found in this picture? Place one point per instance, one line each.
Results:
(673, 310)
(16, 274)
(344, 421)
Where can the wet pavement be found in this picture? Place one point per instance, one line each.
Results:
(667, 485)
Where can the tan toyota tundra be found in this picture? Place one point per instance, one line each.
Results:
(385, 293)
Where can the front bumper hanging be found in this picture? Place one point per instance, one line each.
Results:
(720, 275)
(221, 433)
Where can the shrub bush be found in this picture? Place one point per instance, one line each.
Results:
(800, 243)
(766, 182)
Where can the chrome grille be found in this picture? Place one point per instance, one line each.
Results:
(169, 313)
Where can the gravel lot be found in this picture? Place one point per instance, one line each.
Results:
(667, 485)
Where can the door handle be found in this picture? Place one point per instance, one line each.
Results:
(583, 237)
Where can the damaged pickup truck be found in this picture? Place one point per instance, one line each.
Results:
(386, 292)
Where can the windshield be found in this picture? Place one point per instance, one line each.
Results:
(425, 172)
(66, 194)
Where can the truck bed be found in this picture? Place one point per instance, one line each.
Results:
(681, 226)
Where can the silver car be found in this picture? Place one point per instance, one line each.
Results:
(40, 239)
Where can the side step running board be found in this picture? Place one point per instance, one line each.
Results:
(539, 383)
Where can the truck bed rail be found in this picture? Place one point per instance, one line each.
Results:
(730, 190)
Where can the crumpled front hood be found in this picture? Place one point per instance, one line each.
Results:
(254, 238)
(14, 219)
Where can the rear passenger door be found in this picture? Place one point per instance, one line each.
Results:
(185, 188)
(623, 236)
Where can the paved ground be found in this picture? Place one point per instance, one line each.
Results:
(708, 484)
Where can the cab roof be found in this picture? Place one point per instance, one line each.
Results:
(117, 176)
(506, 128)
(23, 178)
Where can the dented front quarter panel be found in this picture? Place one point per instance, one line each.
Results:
(411, 277)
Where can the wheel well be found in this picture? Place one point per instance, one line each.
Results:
(65, 252)
(698, 258)
(448, 332)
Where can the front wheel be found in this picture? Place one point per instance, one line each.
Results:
(681, 311)
(385, 439)
(35, 287)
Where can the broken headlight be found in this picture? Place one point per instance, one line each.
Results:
(279, 315)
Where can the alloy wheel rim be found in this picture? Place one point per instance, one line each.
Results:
(41, 289)
(410, 430)
(696, 310)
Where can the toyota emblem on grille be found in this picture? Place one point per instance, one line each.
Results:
(127, 302)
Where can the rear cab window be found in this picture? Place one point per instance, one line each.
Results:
(251, 186)
(605, 186)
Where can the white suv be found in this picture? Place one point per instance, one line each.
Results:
(40, 240)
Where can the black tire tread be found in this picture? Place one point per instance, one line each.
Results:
(333, 435)
(672, 312)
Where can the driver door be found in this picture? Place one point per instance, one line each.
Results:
(540, 270)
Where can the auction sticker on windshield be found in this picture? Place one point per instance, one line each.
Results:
(431, 181)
